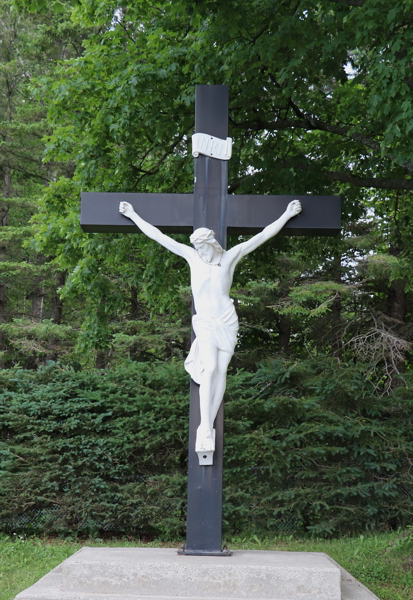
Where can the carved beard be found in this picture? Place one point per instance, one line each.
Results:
(203, 255)
(206, 257)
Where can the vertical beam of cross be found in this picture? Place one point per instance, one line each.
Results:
(204, 524)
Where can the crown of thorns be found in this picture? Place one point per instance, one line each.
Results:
(205, 235)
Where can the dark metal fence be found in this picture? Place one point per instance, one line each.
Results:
(39, 521)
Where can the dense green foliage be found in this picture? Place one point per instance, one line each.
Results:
(320, 102)
(110, 447)
(100, 97)
(30, 48)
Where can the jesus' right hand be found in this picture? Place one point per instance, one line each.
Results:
(126, 209)
(293, 209)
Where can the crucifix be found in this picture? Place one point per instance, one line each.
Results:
(210, 207)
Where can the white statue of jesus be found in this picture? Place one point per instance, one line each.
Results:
(216, 322)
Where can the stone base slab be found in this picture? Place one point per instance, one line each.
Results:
(161, 574)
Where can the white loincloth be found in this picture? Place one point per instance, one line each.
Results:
(220, 332)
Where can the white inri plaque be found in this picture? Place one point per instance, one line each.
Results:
(202, 143)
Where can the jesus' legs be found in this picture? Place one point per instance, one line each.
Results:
(220, 383)
(209, 357)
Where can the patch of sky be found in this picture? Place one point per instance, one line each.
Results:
(351, 72)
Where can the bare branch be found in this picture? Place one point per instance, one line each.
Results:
(359, 3)
(373, 182)
(383, 345)
(259, 34)
(35, 175)
(311, 123)
(341, 176)
(155, 169)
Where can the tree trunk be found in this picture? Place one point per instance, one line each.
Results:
(336, 313)
(4, 221)
(284, 332)
(57, 311)
(396, 300)
(4, 218)
(38, 303)
(134, 304)
(101, 359)
(396, 296)
(396, 309)
(57, 304)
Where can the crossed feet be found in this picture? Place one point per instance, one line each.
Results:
(205, 439)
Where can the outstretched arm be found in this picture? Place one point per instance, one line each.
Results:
(293, 209)
(153, 232)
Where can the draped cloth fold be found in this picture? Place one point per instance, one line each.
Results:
(220, 332)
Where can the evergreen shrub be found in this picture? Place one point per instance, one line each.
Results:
(306, 442)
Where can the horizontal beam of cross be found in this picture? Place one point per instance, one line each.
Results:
(175, 213)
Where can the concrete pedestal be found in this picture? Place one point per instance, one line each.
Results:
(160, 574)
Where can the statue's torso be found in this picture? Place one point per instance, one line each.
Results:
(211, 285)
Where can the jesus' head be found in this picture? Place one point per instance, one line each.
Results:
(205, 244)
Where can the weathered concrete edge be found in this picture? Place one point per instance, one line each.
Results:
(347, 580)
(351, 588)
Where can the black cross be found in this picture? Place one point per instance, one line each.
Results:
(209, 206)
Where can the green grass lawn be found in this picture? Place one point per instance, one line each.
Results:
(383, 562)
